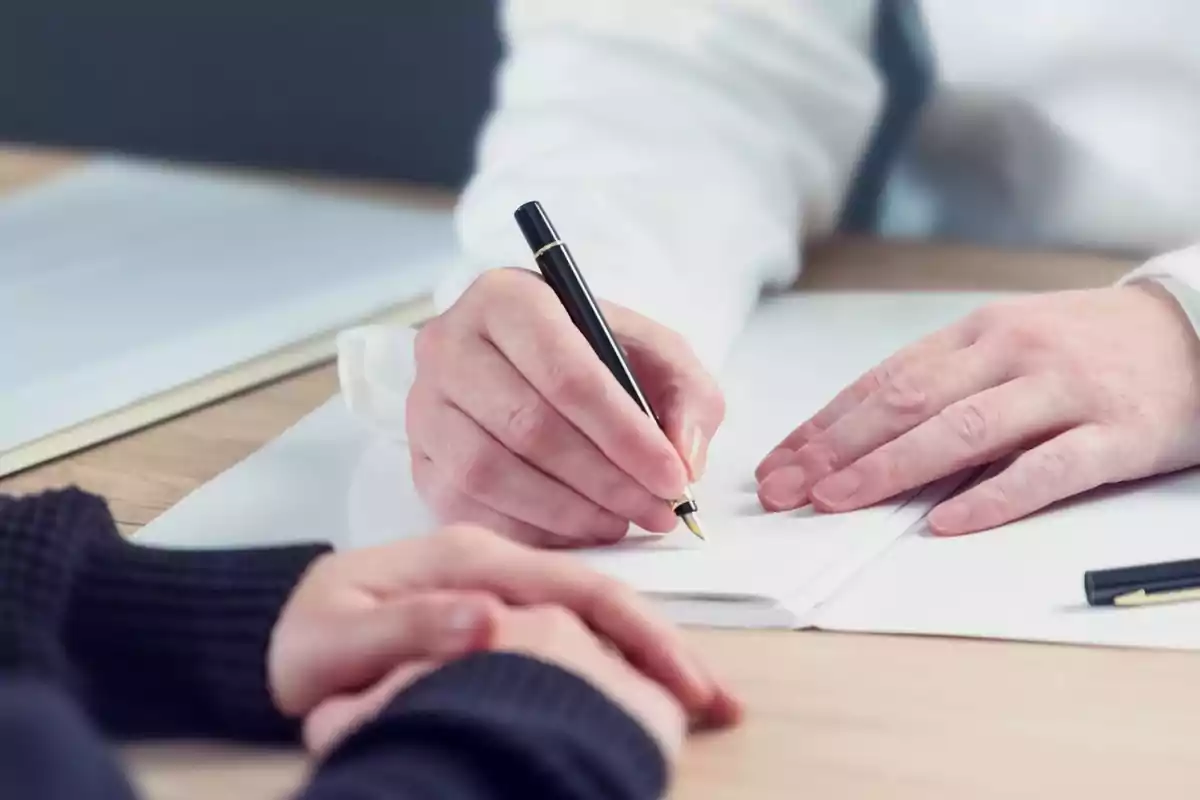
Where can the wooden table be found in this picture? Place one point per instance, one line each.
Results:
(830, 715)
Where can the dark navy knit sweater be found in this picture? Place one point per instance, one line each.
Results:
(101, 635)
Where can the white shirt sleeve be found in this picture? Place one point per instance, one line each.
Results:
(1179, 273)
(683, 148)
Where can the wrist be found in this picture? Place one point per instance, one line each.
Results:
(527, 714)
(198, 621)
(44, 539)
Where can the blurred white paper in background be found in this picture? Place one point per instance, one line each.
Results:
(120, 280)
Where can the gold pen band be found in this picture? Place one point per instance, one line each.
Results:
(1143, 598)
(538, 253)
(685, 499)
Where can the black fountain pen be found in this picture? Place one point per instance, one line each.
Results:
(558, 268)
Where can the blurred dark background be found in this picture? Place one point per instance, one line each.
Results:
(362, 88)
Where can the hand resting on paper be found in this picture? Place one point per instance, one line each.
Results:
(1084, 387)
(356, 615)
(516, 425)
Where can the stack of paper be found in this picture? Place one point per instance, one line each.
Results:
(122, 281)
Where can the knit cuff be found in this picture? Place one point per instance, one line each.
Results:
(43, 539)
(187, 631)
(527, 719)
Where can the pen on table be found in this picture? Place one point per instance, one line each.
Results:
(563, 276)
(1147, 584)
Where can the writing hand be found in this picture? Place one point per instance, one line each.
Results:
(516, 425)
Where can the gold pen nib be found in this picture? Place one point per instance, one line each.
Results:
(693, 525)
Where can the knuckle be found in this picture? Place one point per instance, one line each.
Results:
(475, 472)
(888, 467)
(995, 499)
(998, 314)
(1021, 333)
(491, 282)
(899, 392)
(567, 385)
(969, 424)
(1049, 466)
(428, 342)
(528, 426)
(819, 456)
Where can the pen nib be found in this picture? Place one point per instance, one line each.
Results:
(693, 526)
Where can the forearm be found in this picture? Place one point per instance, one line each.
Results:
(174, 642)
(679, 148)
(155, 641)
(495, 727)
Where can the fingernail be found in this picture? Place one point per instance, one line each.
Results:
(783, 489)
(466, 628)
(464, 619)
(838, 488)
(950, 519)
(697, 452)
(772, 462)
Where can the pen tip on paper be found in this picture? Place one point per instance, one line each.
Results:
(694, 526)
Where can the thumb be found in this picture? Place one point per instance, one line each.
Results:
(347, 653)
(685, 396)
(690, 419)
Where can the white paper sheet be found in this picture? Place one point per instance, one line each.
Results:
(122, 279)
(1025, 580)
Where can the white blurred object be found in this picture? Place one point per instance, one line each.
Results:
(122, 281)
(376, 368)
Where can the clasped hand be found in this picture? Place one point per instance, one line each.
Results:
(362, 624)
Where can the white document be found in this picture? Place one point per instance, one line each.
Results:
(120, 280)
(1025, 580)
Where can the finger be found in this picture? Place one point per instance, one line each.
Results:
(1070, 463)
(912, 395)
(538, 338)
(473, 559)
(686, 397)
(943, 341)
(454, 507)
(523, 421)
(349, 653)
(335, 719)
(483, 469)
(968, 433)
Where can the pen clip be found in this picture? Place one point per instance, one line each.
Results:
(1143, 598)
